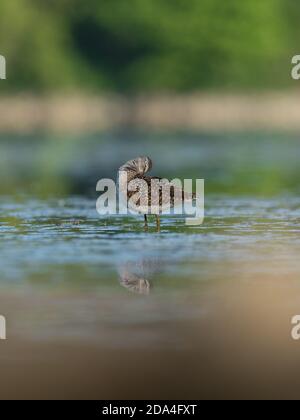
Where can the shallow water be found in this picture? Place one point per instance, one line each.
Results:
(98, 308)
(200, 312)
(49, 237)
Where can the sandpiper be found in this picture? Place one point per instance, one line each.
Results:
(135, 170)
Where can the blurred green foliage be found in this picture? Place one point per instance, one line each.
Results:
(172, 45)
(256, 164)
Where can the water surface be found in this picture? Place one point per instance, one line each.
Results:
(208, 306)
(98, 308)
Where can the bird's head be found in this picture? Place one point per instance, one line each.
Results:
(140, 165)
(143, 164)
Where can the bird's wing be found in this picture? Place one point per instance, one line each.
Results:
(175, 191)
(167, 195)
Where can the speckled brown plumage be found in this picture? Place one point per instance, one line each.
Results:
(135, 170)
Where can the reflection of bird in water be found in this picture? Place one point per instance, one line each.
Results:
(135, 170)
(134, 276)
(134, 283)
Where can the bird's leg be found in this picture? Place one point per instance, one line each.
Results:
(157, 222)
(146, 222)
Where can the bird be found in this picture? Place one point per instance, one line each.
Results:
(136, 170)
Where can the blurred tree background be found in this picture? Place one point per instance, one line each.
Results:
(148, 45)
(94, 47)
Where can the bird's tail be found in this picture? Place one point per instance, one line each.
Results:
(188, 196)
